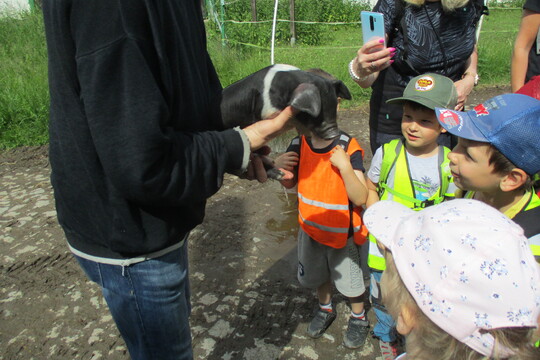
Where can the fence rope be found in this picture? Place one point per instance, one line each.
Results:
(328, 23)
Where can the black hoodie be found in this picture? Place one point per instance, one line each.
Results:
(134, 109)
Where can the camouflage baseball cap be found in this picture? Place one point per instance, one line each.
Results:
(430, 90)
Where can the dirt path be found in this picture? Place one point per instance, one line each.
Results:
(247, 303)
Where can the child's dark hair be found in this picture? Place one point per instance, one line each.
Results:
(502, 166)
(417, 106)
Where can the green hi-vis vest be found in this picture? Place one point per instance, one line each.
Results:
(527, 218)
(394, 156)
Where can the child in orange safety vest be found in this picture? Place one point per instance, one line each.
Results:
(331, 192)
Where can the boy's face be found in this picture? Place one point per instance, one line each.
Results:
(469, 163)
(420, 128)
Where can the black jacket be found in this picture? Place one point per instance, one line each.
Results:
(134, 97)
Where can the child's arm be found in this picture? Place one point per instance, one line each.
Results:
(354, 180)
(373, 195)
(288, 161)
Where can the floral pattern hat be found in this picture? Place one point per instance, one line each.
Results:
(468, 267)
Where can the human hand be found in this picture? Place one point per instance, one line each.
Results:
(464, 87)
(287, 161)
(256, 169)
(260, 132)
(261, 167)
(372, 57)
(340, 158)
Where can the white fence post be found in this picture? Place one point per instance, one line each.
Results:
(273, 33)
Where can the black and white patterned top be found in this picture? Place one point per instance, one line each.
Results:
(438, 41)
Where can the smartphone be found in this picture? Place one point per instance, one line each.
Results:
(372, 26)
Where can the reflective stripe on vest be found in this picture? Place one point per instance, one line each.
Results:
(395, 157)
(324, 210)
(323, 205)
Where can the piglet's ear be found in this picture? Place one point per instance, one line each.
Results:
(307, 98)
(342, 90)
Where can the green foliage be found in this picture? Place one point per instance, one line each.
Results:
(313, 33)
(24, 96)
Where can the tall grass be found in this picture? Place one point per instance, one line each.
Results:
(23, 66)
(24, 97)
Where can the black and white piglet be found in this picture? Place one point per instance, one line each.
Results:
(313, 92)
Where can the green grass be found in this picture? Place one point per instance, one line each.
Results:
(495, 45)
(23, 67)
(24, 94)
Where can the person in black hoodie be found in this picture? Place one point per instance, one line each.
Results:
(136, 149)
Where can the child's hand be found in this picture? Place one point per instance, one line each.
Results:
(287, 161)
(340, 158)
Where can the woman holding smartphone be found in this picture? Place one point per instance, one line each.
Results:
(422, 36)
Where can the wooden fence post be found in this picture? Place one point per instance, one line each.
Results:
(253, 10)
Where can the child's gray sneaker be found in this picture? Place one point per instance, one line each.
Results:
(357, 332)
(320, 322)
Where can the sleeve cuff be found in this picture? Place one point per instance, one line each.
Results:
(247, 149)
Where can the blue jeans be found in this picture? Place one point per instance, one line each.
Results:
(149, 301)
(384, 328)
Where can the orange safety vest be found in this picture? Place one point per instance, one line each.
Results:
(324, 210)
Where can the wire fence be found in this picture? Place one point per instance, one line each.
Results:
(218, 15)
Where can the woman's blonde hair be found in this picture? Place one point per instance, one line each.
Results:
(427, 341)
(448, 5)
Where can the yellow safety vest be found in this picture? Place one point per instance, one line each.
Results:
(394, 156)
(526, 213)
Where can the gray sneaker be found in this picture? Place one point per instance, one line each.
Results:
(356, 334)
(320, 322)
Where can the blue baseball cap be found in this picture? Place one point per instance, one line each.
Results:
(509, 122)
